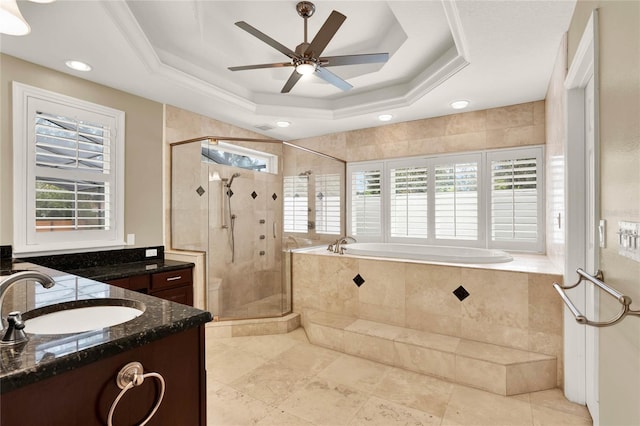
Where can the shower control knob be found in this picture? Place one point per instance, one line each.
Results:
(263, 221)
(262, 253)
(262, 237)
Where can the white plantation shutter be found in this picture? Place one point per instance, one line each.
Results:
(456, 201)
(515, 201)
(296, 203)
(328, 204)
(73, 180)
(68, 172)
(408, 202)
(366, 202)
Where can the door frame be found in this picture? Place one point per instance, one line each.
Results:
(583, 67)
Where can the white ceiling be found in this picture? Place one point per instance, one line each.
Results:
(492, 53)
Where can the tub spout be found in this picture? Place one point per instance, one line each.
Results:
(337, 248)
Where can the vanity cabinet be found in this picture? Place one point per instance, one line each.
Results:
(176, 285)
(83, 395)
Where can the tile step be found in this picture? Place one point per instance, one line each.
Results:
(497, 369)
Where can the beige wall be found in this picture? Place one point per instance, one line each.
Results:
(181, 125)
(510, 126)
(619, 65)
(555, 103)
(143, 146)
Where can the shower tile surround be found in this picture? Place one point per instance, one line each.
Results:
(515, 309)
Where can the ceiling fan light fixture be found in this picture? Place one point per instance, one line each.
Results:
(306, 68)
(461, 104)
(11, 20)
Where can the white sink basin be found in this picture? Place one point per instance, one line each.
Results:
(81, 319)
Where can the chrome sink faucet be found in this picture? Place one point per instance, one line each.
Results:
(45, 280)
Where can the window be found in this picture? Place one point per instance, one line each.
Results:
(238, 156)
(408, 201)
(68, 173)
(296, 203)
(456, 200)
(451, 200)
(365, 191)
(328, 204)
(515, 207)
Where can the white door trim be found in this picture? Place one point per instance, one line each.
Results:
(582, 69)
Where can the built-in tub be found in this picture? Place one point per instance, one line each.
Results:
(427, 253)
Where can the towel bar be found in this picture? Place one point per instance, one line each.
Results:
(597, 280)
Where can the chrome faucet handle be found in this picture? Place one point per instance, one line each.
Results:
(15, 330)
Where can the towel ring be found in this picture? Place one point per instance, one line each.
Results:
(130, 376)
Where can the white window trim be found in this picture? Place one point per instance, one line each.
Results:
(484, 205)
(22, 170)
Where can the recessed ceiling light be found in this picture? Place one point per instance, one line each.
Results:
(283, 123)
(42, 1)
(78, 65)
(385, 117)
(459, 104)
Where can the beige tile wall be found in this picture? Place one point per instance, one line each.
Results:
(513, 309)
(510, 126)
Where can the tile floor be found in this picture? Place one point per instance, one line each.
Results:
(284, 380)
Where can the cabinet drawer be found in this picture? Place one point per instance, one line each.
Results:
(170, 279)
(182, 295)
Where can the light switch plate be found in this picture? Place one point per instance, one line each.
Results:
(629, 240)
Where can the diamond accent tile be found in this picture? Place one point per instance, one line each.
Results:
(274, 196)
(358, 280)
(200, 191)
(254, 195)
(461, 293)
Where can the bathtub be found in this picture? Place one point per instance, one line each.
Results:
(427, 253)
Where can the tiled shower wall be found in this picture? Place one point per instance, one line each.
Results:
(514, 309)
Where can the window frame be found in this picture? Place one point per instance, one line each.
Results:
(483, 159)
(26, 241)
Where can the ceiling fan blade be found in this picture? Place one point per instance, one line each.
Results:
(271, 42)
(326, 33)
(368, 58)
(330, 77)
(255, 67)
(293, 79)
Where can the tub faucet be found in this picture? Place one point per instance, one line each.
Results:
(45, 280)
(337, 248)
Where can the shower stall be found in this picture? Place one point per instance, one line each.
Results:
(232, 199)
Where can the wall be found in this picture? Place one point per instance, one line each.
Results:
(510, 126)
(555, 103)
(251, 285)
(619, 65)
(143, 142)
(181, 125)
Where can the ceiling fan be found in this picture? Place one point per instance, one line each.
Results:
(306, 58)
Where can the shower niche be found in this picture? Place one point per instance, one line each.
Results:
(229, 198)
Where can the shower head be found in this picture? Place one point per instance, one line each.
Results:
(233, 176)
(307, 173)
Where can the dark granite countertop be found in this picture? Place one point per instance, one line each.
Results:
(124, 270)
(45, 356)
